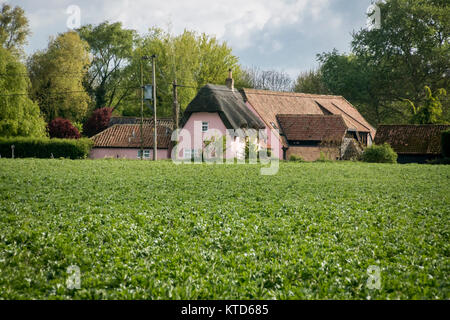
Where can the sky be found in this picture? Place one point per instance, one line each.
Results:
(284, 35)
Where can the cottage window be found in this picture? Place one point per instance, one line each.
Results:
(205, 126)
(146, 154)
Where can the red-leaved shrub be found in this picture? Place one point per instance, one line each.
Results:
(97, 122)
(62, 128)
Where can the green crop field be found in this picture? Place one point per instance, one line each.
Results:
(144, 230)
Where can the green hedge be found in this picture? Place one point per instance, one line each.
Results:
(379, 154)
(45, 148)
(445, 143)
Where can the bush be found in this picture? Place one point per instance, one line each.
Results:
(295, 158)
(97, 122)
(45, 148)
(445, 143)
(63, 129)
(379, 154)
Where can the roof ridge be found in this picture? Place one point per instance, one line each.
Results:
(308, 115)
(352, 117)
(292, 94)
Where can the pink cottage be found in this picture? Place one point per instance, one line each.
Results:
(297, 124)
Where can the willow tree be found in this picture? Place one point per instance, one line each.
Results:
(14, 28)
(19, 115)
(192, 59)
(57, 77)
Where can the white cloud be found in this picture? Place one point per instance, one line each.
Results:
(233, 20)
(282, 34)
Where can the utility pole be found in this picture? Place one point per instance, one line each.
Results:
(176, 106)
(142, 110)
(155, 135)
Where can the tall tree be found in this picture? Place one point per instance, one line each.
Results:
(268, 79)
(111, 46)
(57, 77)
(387, 65)
(190, 58)
(19, 115)
(430, 111)
(14, 28)
(311, 82)
(409, 51)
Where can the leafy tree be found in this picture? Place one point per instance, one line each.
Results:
(98, 121)
(193, 59)
(14, 28)
(57, 75)
(62, 128)
(431, 110)
(409, 51)
(360, 83)
(394, 62)
(111, 46)
(19, 115)
(311, 82)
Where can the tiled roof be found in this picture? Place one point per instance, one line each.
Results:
(168, 122)
(412, 139)
(227, 103)
(129, 136)
(312, 127)
(268, 104)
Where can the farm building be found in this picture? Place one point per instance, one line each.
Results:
(124, 141)
(413, 143)
(304, 125)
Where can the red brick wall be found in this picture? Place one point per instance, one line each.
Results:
(312, 153)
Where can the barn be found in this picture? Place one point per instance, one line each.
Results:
(413, 143)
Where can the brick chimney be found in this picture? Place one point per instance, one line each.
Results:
(230, 81)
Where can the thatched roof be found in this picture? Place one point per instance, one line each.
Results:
(227, 103)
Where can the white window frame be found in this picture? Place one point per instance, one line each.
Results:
(146, 154)
(205, 126)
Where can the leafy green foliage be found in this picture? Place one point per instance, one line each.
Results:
(295, 158)
(145, 230)
(57, 77)
(19, 116)
(191, 58)
(379, 154)
(14, 28)
(311, 82)
(111, 46)
(445, 143)
(431, 111)
(394, 62)
(45, 148)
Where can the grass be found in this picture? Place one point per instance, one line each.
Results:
(144, 230)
